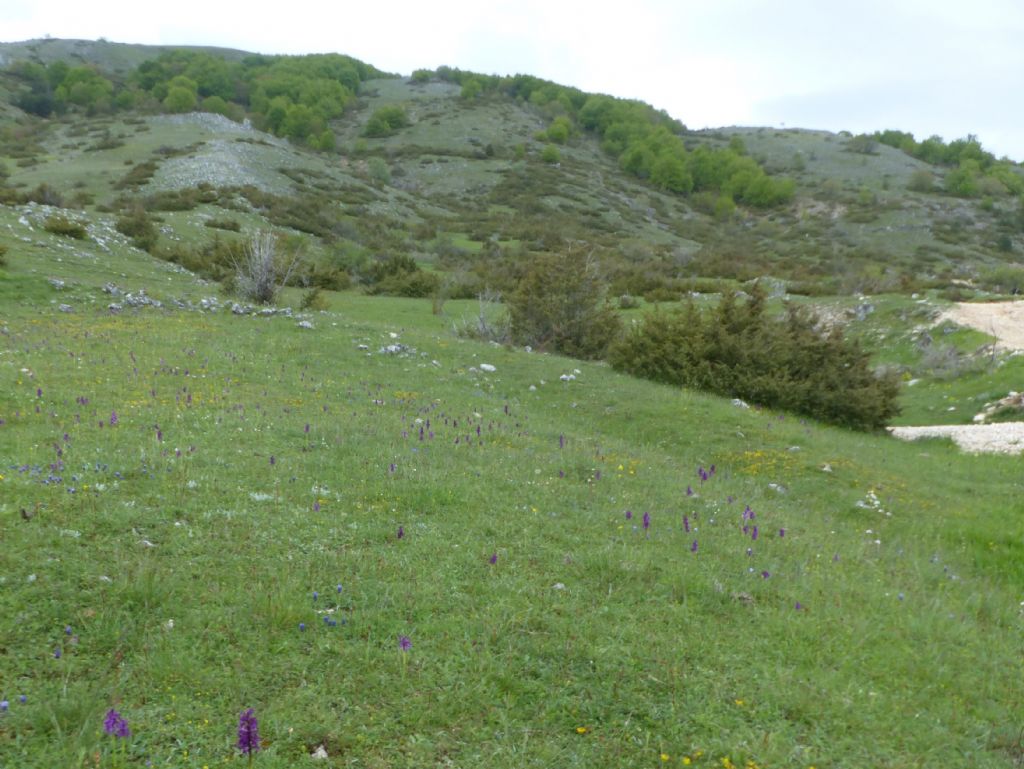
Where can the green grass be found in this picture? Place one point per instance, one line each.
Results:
(899, 657)
(589, 642)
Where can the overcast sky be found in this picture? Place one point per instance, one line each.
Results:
(925, 66)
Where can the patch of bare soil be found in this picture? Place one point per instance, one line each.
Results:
(996, 438)
(1003, 320)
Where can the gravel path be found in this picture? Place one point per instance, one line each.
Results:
(996, 438)
(1004, 321)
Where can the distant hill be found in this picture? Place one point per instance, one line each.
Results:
(476, 173)
(118, 58)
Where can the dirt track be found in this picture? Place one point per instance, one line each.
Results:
(996, 438)
(1003, 320)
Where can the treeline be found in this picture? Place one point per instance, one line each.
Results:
(973, 170)
(646, 142)
(290, 96)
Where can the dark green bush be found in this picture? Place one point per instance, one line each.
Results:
(737, 350)
(559, 305)
(399, 275)
(61, 225)
(137, 225)
(231, 225)
(138, 176)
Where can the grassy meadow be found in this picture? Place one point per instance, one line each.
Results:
(403, 548)
(203, 513)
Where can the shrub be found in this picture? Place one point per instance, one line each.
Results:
(559, 305)
(921, 181)
(139, 227)
(490, 324)
(315, 299)
(45, 195)
(61, 225)
(138, 176)
(263, 270)
(737, 351)
(3, 256)
(386, 121)
(231, 225)
(399, 275)
(550, 154)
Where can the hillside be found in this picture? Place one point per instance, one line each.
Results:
(469, 174)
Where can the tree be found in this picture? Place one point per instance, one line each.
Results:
(560, 305)
(669, 172)
(179, 99)
(560, 130)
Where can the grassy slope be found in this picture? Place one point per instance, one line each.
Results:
(899, 657)
(906, 651)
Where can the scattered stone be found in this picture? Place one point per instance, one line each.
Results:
(740, 403)
(112, 289)
(1013, 401)
(304, 324)
(57, 283)
(141, 300)
(862, 311)
(65, 308)
(488, 368)
(778, 487)
(568, 377)
(320, 753)
(115, 307)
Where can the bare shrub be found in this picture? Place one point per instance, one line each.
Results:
(263, 270)
(491, 323)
